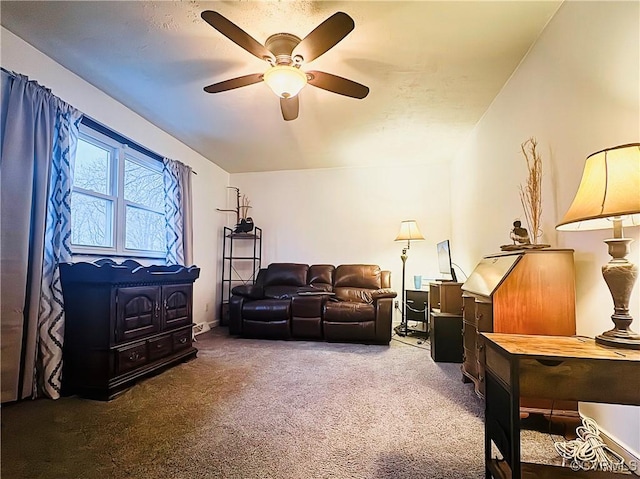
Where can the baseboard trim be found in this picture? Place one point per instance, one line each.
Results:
(630, 459)
(200, 328)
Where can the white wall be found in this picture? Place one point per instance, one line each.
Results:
(351, 215)
(209, 185)
(577, 92)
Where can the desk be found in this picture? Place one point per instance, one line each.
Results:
(548, 367)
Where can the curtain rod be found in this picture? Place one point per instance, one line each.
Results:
(105, 130)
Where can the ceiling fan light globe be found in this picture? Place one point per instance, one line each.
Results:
(285, 81)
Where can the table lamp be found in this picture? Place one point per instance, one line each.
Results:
(409, 231)
(609, 196)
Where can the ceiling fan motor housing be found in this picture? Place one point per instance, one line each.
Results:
(282, 45)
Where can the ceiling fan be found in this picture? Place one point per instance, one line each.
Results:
(286, 53)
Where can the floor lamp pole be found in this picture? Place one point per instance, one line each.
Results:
(403, 257)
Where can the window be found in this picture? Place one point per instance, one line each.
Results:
(117, 200)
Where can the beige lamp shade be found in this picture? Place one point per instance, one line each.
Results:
(610, 187)
(409, 231)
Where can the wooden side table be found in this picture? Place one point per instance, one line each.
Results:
(548, 367)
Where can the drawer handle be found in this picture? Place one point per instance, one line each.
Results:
(183, 340)
(134, 356)
(157, 309)
(479, 316)
(481, 347)
(549, 362)
(158, 346)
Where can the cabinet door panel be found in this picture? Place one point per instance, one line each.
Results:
(177, 305)
(137, 312)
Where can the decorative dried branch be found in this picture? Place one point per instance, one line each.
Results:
(244, 208)
(531, 193)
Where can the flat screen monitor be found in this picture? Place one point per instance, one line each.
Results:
(444, 259)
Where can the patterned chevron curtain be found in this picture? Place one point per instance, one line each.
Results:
(39, 137)
(177, 212)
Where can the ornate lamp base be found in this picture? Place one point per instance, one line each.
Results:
(620, 276)
(615, 341)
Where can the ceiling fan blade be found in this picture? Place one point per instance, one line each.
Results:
(234, 83)
(236, 34)
(337, 84)
(324, 36)
(290, 107)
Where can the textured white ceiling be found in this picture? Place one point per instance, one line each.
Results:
(433, 69)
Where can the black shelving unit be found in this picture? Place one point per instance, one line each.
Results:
(241, 261)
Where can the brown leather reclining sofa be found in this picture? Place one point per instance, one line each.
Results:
(348, 303)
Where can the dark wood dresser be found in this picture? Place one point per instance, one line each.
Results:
(123, 322)
(522, 292)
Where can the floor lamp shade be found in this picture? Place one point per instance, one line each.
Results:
(609, 197)
(409, 231)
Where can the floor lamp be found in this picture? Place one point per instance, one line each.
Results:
(409, 231)
(609, 197)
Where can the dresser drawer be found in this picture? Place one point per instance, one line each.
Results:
(468, 309)
(131, 357)
(470, 363)
(160, 347)
(469, 334)
(484, 316)
(181, 339)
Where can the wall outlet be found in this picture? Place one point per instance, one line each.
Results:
(397, 304)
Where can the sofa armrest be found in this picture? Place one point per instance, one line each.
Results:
(384, 313)
(383, 293)
(235, 314)
(251, 291)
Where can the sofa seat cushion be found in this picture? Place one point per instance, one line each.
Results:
(267, 310)
(348, 312)
(280, 291)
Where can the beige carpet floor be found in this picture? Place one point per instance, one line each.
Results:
(266, 409)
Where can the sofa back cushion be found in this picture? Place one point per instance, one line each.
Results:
(357, 276)
(282, 280)
(354, 282)
(321, 276)
(286, 274)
